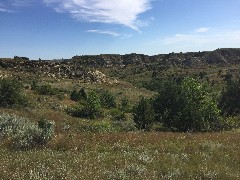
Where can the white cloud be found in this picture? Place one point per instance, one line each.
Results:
(221, 38)
(10, 5)
(196, 41)
(103, 32)
(20, 2)
(111, 33)
(202, 30)
(125, 12)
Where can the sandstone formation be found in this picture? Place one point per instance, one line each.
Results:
(85, 67)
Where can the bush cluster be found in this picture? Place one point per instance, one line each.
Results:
(183, 106)
(90, 105)
(187, 106)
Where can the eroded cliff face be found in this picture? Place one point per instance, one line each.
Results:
(85, 66)
(219, 56)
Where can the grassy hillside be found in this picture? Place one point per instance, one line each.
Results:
(110, 146)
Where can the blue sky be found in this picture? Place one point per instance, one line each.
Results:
(50, 29)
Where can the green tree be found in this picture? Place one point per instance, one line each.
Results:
(93, 105)
(143, 114)
(230, 99)
(187, 106)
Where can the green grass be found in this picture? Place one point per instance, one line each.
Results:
(136, 155)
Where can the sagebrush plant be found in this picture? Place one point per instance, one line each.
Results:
(11, 93)
(23, 134)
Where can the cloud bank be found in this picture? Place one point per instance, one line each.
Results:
(124, 12)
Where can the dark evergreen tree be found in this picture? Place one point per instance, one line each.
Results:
(230, 99)
(143, 114)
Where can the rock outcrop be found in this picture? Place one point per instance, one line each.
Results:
(79, 66)
(98, 77)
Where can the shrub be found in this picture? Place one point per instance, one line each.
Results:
(61, 96)
(34, 85)
(230, 123)
(143, 114)
(230, 99)
(46, 90)
(11, 93)
(24, 134)
(153, 84)
(202, 74)
(125, 105)
(187, 106)
(107, 99)
(91, 108)
(93, 105)
(47, 130)
(118, 115)
(228, 77)
(77, 96)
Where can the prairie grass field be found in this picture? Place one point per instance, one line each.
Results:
(127, 155)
